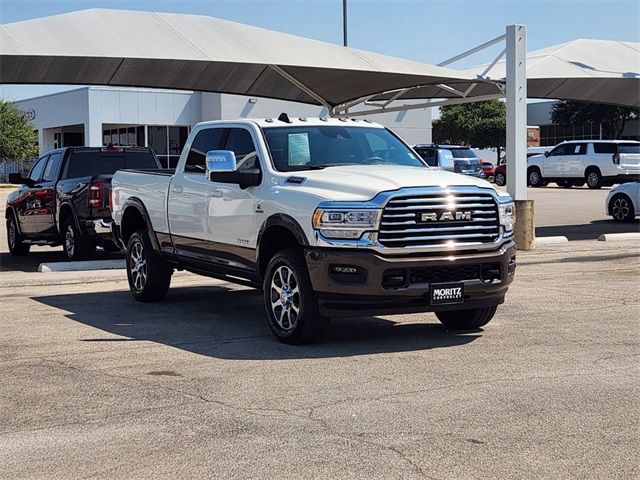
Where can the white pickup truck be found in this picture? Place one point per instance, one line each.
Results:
(330, 217)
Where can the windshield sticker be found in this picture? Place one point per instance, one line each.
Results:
(299, 153)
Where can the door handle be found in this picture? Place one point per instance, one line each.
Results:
(216, 193)
(176, 189)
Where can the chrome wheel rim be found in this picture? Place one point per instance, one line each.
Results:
(500, 179)
(138, 266)
(592, 179)
(69, 241)
(285, 297)
(620, 208)
(534, 178)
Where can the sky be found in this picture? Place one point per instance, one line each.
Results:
(425, 31)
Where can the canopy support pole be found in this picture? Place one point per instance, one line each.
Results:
(301, 86)
(516, 63)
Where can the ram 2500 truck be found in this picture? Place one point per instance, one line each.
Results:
(330, 217)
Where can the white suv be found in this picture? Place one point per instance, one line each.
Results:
(597, 162)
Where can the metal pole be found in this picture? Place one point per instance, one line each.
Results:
(344, 23)
(517, 111)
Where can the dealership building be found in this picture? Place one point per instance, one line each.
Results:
(162, 119)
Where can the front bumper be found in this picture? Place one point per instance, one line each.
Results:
(368, 292)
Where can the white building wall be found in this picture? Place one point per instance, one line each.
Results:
(95, 106)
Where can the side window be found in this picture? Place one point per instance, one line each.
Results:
(241, 143)
(37, 169)
(207, 139)
(581, 149)
(53, 166)
(609, 148)
(429, 156)
(559, 150)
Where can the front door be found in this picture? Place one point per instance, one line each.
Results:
(26, 203)
(233, 209)
(190, 197)
(553, 165)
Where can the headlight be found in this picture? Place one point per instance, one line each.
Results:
(347, 224)
(507, 215)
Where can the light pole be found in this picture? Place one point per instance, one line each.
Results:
(344, 22)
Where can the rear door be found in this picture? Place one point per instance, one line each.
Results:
(629, 156)
(573, 160)
(190, 196)
(45, 192)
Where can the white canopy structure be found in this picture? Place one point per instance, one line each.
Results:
(167, 50)
(601, 71)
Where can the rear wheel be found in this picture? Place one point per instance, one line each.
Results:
(466, 319)
(291, 305)
(593, 178)
(500, 179)
(76, 246)
(621, 208)
(148, 273)
(14, 238)
(534, 177)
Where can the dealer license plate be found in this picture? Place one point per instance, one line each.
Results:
(446, 293)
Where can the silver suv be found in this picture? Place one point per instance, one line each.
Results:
(452, 157)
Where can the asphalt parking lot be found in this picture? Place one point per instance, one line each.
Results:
(95, 385)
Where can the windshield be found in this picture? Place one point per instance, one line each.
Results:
(462, 153)
(629, 148)
(314, 147)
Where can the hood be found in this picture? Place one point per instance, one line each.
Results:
(363, 182)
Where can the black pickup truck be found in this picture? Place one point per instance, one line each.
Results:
(65, 199)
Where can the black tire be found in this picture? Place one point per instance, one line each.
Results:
(593, 177)
(76, 246)
(287, 286)
(148, 273)
(500, 179)
(564, 183)
(15, 238)
(534, 177)
(621, 208)
(466, 319)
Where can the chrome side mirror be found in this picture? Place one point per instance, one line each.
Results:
(220, 161)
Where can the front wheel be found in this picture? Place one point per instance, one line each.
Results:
(148, 273)
(621, 208)
(291, 305)
(534, 177)
(500, 179)
(469, 319)
(14, 239)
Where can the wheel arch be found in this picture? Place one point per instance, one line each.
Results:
(67, 210)
(135, 217)
(279, 231)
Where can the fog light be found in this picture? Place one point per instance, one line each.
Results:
(343, 269)
(512, 266)
(347, 274)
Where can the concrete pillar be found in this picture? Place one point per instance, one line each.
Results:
(525, 228)
(516, 86)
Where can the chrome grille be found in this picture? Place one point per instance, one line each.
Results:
(402, 223)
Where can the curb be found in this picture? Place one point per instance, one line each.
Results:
(551, 240)
(619, 237)
(80, 266)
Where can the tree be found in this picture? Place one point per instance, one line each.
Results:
(18, 140)
(612, 118)
(477, 124)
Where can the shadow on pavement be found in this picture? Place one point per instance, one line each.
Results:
(30, 263)
(589, 231)
(230, 324)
